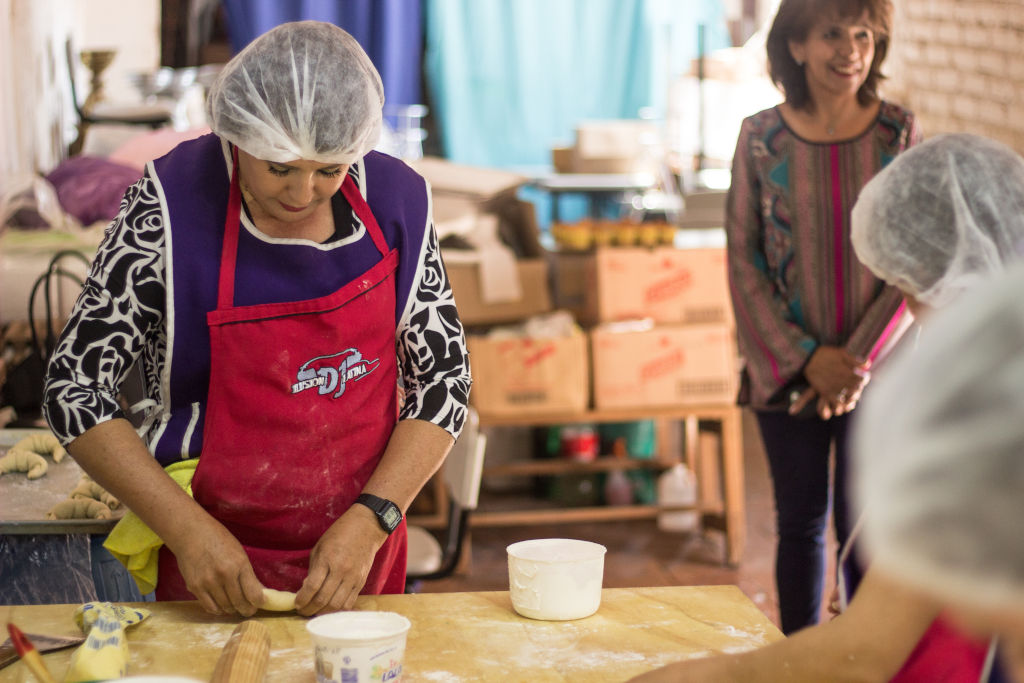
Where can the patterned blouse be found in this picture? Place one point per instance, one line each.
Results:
(794, 278)
(121, 316)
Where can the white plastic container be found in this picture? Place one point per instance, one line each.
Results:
(678, 486)
(555, 579)
(357, 647)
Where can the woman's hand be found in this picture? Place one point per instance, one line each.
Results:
(837, 379)
(832, 370)
(835, 607)
(846, 400)
(843, 402)
(340, 563)
(217, 571)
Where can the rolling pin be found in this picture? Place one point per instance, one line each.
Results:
(245, 655)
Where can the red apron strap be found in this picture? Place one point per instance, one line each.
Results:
(226, 280)
(362, 209)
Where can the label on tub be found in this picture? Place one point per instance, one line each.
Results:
(357, 665)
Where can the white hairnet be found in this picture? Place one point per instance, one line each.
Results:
(303, 90)
(939, 451)
(942, 215)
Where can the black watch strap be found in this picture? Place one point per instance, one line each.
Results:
(388, 514)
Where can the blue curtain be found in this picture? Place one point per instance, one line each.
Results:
(509, 79)
(391, 32)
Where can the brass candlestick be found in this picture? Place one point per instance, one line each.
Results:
(96, 61)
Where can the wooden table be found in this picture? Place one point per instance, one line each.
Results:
(454, 636)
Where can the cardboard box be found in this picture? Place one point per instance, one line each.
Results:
(480, 184)
(689, 286)
(665, 284)
(616, 146)
(615, 138)
(704, 209)
(474, 310)
(666, 365)
(460, 192)
(524, 376)
(604, 285)
(562, 159)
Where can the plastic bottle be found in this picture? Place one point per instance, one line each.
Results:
(618, 489)
(678, 486)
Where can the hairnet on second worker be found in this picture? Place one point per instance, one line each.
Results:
(943, 215)
(939, 451)
(303, 90)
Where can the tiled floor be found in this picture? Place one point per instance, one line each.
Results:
(641, 555)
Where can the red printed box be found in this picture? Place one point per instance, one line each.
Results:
(666, 365)
(665, 284)
(524, 376)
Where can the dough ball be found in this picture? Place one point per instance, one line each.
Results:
(278, 601)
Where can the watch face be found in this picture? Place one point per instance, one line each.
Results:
(392, 516)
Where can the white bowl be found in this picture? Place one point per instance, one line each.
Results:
(555, 579)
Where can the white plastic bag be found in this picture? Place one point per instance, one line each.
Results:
(30, 201)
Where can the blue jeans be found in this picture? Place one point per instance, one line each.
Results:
(113, 582)
(798, 456)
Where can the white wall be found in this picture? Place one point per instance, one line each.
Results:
(132, 27)
(34, 109)
(36, 119)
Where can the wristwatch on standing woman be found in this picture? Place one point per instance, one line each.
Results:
(388, 514)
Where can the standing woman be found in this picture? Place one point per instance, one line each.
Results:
(276, 280)
(810, 318)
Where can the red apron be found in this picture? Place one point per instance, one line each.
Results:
(301, 404)
(944, 654)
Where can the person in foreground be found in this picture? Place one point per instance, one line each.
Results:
(810, 317)
(944, 217)
(276, 281)
(940, 468)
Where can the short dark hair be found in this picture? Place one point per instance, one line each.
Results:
(793, 22)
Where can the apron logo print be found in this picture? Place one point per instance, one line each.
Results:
(327, 374)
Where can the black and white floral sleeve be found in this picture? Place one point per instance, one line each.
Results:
(432, 348)
(117, 319)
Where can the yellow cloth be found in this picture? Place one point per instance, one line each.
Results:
(104, 655)
(135, 545)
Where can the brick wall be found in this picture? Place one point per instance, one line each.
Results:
(959, 65)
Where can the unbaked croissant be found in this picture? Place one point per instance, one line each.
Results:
(43, 444)
(18, 460)
(79, 508)
(87, 488)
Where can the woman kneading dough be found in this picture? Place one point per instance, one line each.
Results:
(277, 281)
